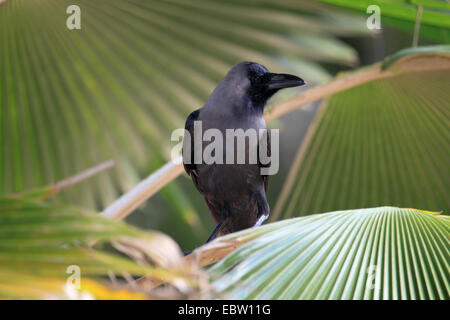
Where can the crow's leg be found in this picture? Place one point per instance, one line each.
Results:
(224, 214)
(185, 253)
(211, 237)
(216, 230)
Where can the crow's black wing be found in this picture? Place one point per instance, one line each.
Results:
(188, 159)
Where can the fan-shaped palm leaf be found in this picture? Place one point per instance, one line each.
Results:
(432, 15)
(39, 242)
(379, 253)
(118, 87)
(384, 142)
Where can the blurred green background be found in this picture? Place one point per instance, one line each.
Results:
(116, 89)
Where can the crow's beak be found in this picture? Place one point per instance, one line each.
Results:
(281, 80)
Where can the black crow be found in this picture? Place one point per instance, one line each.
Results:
(235, 193)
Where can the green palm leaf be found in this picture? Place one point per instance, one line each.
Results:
(117, 88)
(378, 253)
(434, 16)
(39, 242)
(384, 142)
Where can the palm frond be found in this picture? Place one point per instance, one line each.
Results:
(383, 142)
(116, 88)
(40, 241)
(409, 64)
(431, 15)
(378, 253)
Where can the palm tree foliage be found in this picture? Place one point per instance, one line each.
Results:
(384, 142)
(39, 242)
(378, 253)
(118, 87)
(432, 15)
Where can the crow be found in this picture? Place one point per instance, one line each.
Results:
(235, 193)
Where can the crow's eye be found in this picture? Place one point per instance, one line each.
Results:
(255, 78)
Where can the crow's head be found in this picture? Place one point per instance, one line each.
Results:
(253, 81)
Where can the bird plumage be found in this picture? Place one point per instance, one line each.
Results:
(235, 193)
